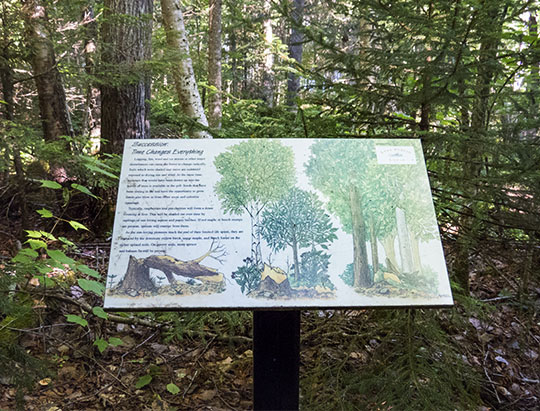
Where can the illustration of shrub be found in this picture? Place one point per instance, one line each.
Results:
(314, 269)
(248, 276)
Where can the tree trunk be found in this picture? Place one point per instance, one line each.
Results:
(127, 38)
(295, 258)
(295, 50)
(52, 99)
(374, 247)
(472, 159)
(389, 249)
(6, 78)
(214, 65)
(183, 74)
(417, 261)
(404, 241)
(268, 73)
(361, 269)
(137, 277)
(91, 117)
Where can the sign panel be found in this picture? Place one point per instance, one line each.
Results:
(268, 223)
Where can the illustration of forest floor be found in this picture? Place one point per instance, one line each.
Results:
(208, 355)
(178, 288)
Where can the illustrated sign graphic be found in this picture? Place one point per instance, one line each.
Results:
(275, 223)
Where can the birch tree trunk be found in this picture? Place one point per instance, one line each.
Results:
(214, 65)
(52, 98)
(183, 74)
(405, 249)
(268, 73)
(127, 39)
(295, 50)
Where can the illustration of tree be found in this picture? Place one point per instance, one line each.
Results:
(297, 220)
(137, 277)
(338, 168)
(254, 174)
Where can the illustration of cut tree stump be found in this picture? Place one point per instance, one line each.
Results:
(137, 278)
(274, 281)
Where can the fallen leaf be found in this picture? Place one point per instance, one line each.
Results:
(207, 395)
(45, 381)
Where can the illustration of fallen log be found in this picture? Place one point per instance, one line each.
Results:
(138, 279)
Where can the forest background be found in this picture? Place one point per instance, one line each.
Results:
(79, 77)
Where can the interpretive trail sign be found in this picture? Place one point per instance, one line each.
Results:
(267, 223)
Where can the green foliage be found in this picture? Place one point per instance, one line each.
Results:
(254, 173)
(248, 276)
(77, 320)
(348, 275)
(297, 220)
(314, 269)
(408, 361)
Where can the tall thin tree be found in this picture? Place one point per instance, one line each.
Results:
(214, 65)
(184, 76)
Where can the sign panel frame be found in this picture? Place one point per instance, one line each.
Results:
(259, 224)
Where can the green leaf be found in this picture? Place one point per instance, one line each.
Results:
(66, 241)
(83, 189)
(88, 271)
(35, 244)
(76, 225)
(143, 381)
(99, 312)
(50, 184)
(101, 344)
(44, 213)
(48, 236)
(173, 388)
(99, 170)
(60, 257)
(26, 255)
(91, 285)
(76, 319)
(115, 342)
(33, 234)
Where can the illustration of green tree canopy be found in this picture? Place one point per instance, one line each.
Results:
(254, 173)
(297, 220)
(364, 195)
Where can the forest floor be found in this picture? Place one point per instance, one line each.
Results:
(211, 362)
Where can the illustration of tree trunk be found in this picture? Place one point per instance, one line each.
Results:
(361, 269)
(214, 64)
(389, 250)
(137, 276)
(415, 244)
(295, 257)
(404, 242)
(295, 50)
(183, 74)
(373, 242)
